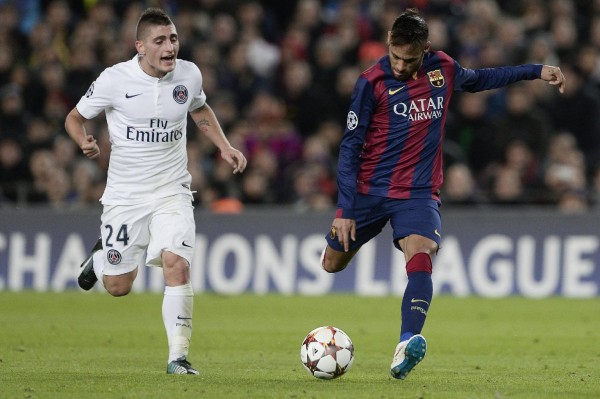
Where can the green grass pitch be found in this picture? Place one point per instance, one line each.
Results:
(90, 345)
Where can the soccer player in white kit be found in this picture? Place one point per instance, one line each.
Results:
(147, 216)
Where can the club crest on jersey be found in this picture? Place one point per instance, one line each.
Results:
(180, 94)
(436, 78)
(114, 257)
(352, 120)
(90, 91)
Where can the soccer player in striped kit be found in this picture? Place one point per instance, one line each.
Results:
(147, 217)
(390, 162)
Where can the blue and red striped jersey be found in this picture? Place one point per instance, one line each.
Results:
(392, 145)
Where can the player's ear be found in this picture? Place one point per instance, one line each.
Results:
(139, 46)
(427, 46)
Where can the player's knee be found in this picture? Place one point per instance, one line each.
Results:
(119, 285)
(331, 267)
(118, 289)
(413, 245)
(331, 262)
(176, 269)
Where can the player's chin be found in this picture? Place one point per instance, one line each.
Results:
(399, 76)
(168, 64)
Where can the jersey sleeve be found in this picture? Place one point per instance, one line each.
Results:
(362, 106)
(474, 80)
(98, 97)
(199, 97)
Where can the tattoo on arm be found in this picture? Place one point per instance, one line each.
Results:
(203, 125)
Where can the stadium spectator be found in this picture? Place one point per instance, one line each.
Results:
(13, 171)
(460, 187)
(564, 168)
(469, 136)
(577, 112)
(13, 115)
(88, 183)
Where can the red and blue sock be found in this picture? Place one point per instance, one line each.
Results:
(417, 297)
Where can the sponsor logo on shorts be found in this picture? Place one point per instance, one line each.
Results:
(114, 257)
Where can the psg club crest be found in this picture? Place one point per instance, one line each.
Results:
(114, 257)
(436, 78)
(180, 94)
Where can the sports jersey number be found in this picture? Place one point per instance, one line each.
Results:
(121, 235)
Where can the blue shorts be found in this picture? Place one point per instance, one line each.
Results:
(406, 216)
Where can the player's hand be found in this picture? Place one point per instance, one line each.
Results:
(235, 158)
(90, 147)
(554, 76)
(344, 230)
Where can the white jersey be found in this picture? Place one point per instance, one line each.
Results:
(147, 119)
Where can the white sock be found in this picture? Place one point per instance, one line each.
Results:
(98, 259)
(177, 309)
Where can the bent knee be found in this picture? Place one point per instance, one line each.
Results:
(118, 290)
(333, 261)
(119, 285)
(331, 267)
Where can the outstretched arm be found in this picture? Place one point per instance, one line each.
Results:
(206, 120)
(475, 80)
(554, 76)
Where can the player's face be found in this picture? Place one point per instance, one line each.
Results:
(406, 60)
(160, 47)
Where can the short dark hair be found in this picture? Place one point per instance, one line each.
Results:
(409, 28)
(151, 17)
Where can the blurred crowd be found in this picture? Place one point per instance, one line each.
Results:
(279, 75)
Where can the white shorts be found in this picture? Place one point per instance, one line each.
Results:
(135, 235)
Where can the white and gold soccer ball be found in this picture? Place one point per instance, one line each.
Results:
(327, 352)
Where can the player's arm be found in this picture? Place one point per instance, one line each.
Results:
(358, 121)
(75, 127)
(475, 80)
(206, 120)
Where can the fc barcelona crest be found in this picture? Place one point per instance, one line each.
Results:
(436, 78)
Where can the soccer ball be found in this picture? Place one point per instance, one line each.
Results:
(327, 352)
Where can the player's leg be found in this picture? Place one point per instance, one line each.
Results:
(370, 221)
(172, 246)
(418, 251)
(334, 261)
(92, 270)
(178, 309)
(119, 250)
(419, 228)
